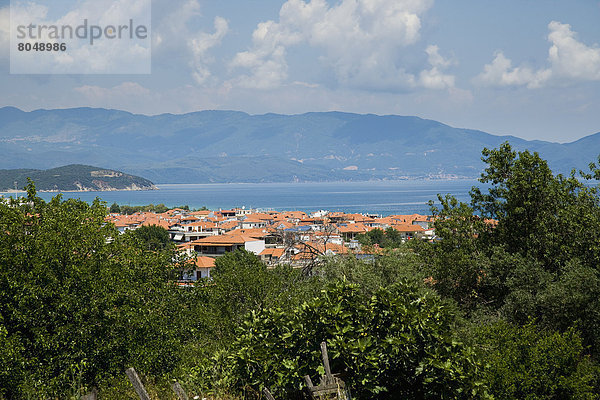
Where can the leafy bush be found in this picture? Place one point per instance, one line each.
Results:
(396, 344)
(529, 363)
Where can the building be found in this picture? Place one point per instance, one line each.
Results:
(215, 246)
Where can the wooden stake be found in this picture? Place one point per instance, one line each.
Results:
(137, 384)
(268, 394)
(309, 383)
(326, 362)
(181, 395)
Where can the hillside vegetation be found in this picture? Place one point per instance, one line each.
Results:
(72, 177)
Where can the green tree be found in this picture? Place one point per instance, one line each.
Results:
(78, 299)
(456, 262)
(539, 260)
(550, 218)
(393, 236)
(153, 237)
(558, 301)
(552, 223)
(389, 238)
(12, 358)
(373, 274)
(240, 284)
(526, 362)
(115, 209)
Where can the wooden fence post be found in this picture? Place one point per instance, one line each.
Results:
(330, 387)
(268, 394)
(181, 395)
(137, 384)
(309, 383)
(326, 362)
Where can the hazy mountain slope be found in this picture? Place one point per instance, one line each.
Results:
(232, 146)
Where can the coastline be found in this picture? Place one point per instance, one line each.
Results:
(379, 197)
(138, 189)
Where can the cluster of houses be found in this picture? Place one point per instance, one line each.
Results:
(290, 237)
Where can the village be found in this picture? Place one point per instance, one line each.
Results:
(278, 237)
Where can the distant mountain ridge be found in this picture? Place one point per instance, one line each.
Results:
(72, 178)
(232, 146)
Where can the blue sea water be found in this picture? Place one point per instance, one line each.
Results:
(378, 197)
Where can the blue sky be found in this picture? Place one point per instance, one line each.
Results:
(525, 68)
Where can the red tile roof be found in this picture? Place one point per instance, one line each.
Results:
(227, 239)
(204, 262)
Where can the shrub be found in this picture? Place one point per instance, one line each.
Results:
(396, 344)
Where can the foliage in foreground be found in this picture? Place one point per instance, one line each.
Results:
(396, 344)
(78, 302)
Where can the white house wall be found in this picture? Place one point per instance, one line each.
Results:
(256, 246)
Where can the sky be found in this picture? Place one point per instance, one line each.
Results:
(514, 67)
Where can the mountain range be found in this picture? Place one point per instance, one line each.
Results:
(232, 146)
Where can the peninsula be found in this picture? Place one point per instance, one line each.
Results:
(74, 177)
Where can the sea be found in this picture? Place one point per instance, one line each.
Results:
(372, 197)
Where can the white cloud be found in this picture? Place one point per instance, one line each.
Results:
(435, 59)
(501, 73)
(4, 31)
(30, 10)
(267, 73)
(200, 46)
(362, 41)
(104, 56)
(108, 55)
(434, 78)
(172, 24)
(176, 34)
(569, 60)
